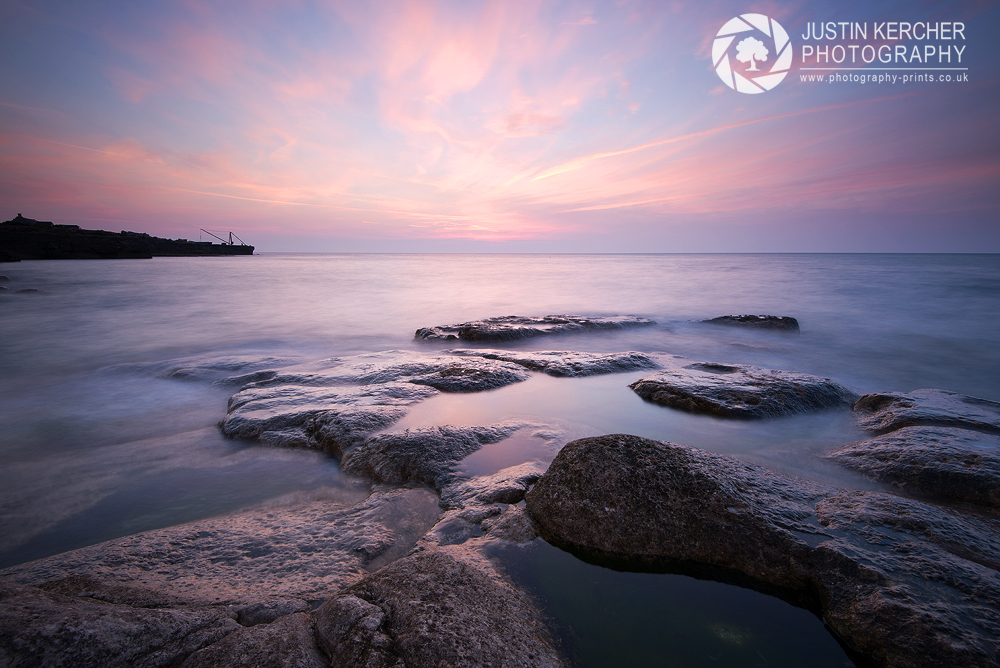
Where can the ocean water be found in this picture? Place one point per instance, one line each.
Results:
(96, 446)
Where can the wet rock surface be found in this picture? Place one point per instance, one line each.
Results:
(781, 323)
(517, 328)
(903, 582)
(947, 463)
(565, 364)
(741, 391)
(431, 609)
(339, 403)
(302, 552)
(884, 411)
(427, 455)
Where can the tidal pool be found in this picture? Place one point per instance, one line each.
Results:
(603, 617)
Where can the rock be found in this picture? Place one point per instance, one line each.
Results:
(426, 455)
(332, 419)
(338, 406)
(903, 582)
(265, 612)
(299, 552)
(4, 279)
(288, 642)
(781, 323)
(430, 609)
(516, 328)
(567, 364)
(513, 525)
(741, 391)
(447, 373)
(40, 628)
(884, 411)
(953, 464)
(507, 486)
(31, 291)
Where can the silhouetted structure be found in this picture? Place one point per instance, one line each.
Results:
(28, 239)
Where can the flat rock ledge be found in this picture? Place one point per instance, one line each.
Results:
(775, 322)
(340, 403)
(396, 582)
(881, 412)
(516, 328)
(902, 582)
(741, 391)
(272, 554)
(940, 462)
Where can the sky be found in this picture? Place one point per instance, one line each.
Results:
(477, 126)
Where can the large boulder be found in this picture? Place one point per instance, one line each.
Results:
(780, 323)
(431, 609)
(953, 464)
(516, 328)
(884, 411)
(271, 555)
(903, 582)
(741, 391)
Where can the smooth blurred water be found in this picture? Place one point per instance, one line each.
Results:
(95, 446)
(89, 444)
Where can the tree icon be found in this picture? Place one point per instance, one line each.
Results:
(750, 49)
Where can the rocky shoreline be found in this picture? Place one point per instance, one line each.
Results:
(404, 577)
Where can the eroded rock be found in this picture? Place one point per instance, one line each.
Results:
(904, 582)
(954, 464)
(781, 323)
(427, 455)
(288, 642)
(741, 391)
(41, 628)
(884, 411)
(303, 551)
(431, 609)
(517, 328)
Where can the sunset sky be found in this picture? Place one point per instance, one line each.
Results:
(488, 126)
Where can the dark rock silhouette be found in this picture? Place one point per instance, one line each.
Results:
(28, 239)
(783, 323)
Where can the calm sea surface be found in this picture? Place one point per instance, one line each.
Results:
(95, 446)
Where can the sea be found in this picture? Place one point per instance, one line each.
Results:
(95, 445)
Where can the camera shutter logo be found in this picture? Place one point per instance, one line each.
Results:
(750, 49)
